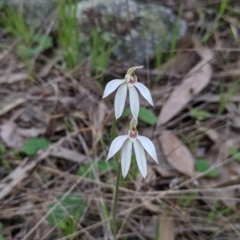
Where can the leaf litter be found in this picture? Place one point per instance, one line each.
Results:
(65, 108)
(193, 83)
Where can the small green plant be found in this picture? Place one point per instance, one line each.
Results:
(68, 32)
(66, 215)
(222, 9)
(235, 154)
(33, 145)
(201, 165)
(145, 115)
(100, 53)
(159, 55)
(200, 115)
(1, 227)
(40, 43)
(29, 45)
(217, 212)
(4, 162)
(14, 23)
(187, 200)
(2, 149)
(224, 98)
(192, 140)
(101, 165)
(175, 33)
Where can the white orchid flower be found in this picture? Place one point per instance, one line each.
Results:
(129, 82)
(139, 143)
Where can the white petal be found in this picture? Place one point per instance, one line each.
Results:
(120, 100)
(116, 145)
(140, 157)
(112, 86)
(134, 101)
(148, 146)
(144, 91)
(126, 154)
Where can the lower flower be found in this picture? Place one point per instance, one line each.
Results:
(139, 143)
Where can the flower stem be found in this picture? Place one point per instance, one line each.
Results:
(114, 223)
(116, 200)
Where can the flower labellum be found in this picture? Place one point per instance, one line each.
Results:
(139, 143)
(131, 84)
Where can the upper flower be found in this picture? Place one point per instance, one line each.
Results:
(139, 143)
(129, 82)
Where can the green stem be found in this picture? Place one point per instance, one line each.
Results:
(114, 223)
(113, 129)
(116, 200)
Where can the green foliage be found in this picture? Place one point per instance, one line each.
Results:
(3, 160)
(134, 168)
(30, 45)
(202, 165)
(222, 9)
(40, 44)
(158, 56)
(175, 30)
(235, 154)
(13, 22)
(187, 199)
(102, 166)
(200, 115)
(217, 212)
(67, 213)
(192, 140)
(33, 145)
(2, 149)
(224, 99)
(69, 125)
(68, 32)
(107, 166)
(1, 227)
(83, 169)
(100, 52)
(145, 115)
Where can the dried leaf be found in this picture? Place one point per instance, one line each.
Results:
(164, 169)
(19, 174)
(177, 153)
(149, 226)
(227, 196)
(48, 66)
(8, 107)
(99, 115)
(179, 64)
(31, 132)
(230, 172)
(213, 135)
(11, 136)
(166, 228)
(13, 78)
(194, 82)
(67, 154)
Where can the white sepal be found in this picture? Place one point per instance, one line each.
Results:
(116, 145)
(112, 86)
(134, 101)
(144, 91)
(126, 153)
(132, 69)
(148, 146)
(120, 100)
(140, 157)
